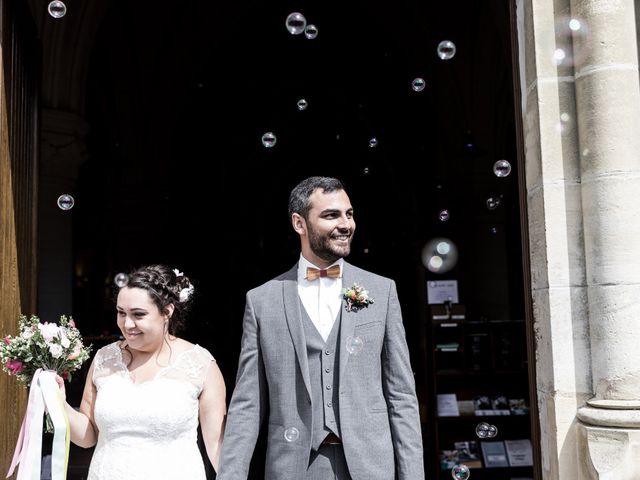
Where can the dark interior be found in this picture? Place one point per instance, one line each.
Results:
(180, 94)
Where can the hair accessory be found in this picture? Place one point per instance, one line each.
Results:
(178, 272)
(186, 293)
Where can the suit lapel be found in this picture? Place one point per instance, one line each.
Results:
(347, 323)
(294, 321)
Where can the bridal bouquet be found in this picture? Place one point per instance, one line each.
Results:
(35, 356)
(46, 346)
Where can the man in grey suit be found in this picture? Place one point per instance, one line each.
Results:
(329, 368)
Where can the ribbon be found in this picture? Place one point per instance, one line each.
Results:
(44, 392)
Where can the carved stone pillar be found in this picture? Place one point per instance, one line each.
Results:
(63, 151)
(608, 109)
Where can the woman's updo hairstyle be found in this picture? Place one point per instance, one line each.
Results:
(165, 286)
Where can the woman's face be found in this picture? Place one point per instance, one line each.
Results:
(140, 321)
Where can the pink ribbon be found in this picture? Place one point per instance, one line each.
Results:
(21, 444)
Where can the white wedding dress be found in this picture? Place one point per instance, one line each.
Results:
(148, 430)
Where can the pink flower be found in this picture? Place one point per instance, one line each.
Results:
(7, 340)
(14, 366)
(75, 353)
(72, 324)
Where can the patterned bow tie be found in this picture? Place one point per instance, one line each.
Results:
(331, 272)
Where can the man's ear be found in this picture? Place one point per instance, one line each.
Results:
(299, 225)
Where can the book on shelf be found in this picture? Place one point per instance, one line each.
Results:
(469, 453)
(466, 408)
(494, 454)
(486, 406)
(447, 346)
(519, 452)
(481, 405)
(500, 405)
(448, 405)
(448, 459)
(518, 406)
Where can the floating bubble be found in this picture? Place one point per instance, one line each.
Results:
(269, 139)
(446, 50)
(57, 9)
(296, 23)
(302, 104)
(121, 279)
(502, 168)
(366, 171)
(66, 202)
(493, 202)
(460, 472)
(373, 142)
(354, 345)
(493, 231)
(418, 84)
(444, 215)
(311, 31)
(439, 255)
(291, 434)
(482, 430)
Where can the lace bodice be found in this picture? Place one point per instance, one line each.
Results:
(148, 430)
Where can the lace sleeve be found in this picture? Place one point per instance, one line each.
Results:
(108, 360)
(192, 366)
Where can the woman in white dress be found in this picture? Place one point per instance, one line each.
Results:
(145, 395)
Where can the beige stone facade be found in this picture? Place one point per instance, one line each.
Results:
(581, 116)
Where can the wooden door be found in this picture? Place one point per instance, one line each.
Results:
(18, 182)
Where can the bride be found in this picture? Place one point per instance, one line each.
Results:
(145, 395)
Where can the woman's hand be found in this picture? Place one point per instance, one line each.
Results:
(63, 391)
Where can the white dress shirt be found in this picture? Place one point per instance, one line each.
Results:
(320, 298)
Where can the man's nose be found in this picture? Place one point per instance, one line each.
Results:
(344, 223)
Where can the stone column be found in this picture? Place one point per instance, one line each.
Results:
(608, 110)
(62, 153)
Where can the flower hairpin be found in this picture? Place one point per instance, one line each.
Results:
(178, 272)
(356, 297)
(185, 293)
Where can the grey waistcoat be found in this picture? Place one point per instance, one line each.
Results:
(323, 372)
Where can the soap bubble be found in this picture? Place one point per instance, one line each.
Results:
(296, 23)
(65, 202)
(121, 279)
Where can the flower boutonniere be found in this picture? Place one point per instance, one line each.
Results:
(357, 297)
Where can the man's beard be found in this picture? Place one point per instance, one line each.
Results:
(321, 245)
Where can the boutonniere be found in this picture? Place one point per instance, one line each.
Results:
(357, 297)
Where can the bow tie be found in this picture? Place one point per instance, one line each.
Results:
(331, 272)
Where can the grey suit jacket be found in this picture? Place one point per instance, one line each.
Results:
(378, 409)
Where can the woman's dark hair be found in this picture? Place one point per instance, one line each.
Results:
(299, 198)
(165, 286)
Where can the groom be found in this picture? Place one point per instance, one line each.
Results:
(331, 373)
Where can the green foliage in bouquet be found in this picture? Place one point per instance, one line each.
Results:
(48, 346)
